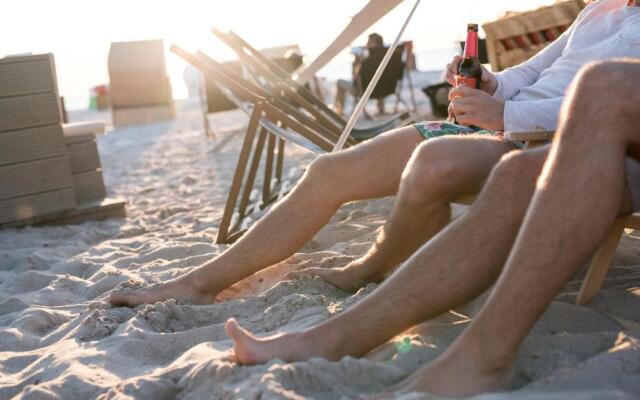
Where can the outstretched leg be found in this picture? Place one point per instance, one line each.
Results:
(579, 194)
(369, 170)
(439, 171)
(453, 268)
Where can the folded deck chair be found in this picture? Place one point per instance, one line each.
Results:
(269, 124)
(276, 79)
(602, 258)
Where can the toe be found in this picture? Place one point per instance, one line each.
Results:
(243, 342)
(119, 299)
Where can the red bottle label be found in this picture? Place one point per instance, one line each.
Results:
(471, 82)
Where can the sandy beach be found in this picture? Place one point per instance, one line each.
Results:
(60, 339)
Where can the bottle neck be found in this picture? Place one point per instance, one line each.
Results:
(471, 45)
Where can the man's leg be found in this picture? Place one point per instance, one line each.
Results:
(369, 170)
(439, 171)
(450, 270)
(580, 193)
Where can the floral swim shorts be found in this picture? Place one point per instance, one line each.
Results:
(433, 129)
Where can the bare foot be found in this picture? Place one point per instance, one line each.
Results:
(349, 278)
(454, 377)
(181, 289)
(289, 347)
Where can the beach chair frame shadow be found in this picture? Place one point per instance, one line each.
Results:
(603, 256)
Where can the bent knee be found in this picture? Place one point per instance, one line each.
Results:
(517, 166)
(610, 85)
(431, 173)
(321, 172)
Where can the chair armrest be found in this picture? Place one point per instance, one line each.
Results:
(534, 136)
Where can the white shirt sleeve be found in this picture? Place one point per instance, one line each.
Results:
(519, 115)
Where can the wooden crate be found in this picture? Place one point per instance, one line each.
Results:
(86, 169)
(29, 111)
(33, 177)
(515, 38)
(29, 144)
(89, 186)
(83, 153)
(29, 74)
(35, 174)
(15, 210)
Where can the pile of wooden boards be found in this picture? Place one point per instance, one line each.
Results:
(35, 174)
(518, 36)
(45, 176)
(139, 87)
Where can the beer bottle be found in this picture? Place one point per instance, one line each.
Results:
(470, 70)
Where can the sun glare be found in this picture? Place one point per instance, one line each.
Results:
(79, 33)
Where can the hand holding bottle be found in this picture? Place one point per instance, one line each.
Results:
(488, 81)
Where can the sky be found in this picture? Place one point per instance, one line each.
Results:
(79, 32)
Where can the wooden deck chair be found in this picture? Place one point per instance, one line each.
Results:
(278, 80)
(268, 124)
(602, 258)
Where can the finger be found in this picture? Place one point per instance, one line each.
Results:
(459, 109)
(465, 119)
(456, 62)
(461, 91)
(465, 101)
(454, 93)
(450, 112)
(452, 69)
(486, 75)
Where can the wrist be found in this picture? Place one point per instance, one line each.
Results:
(491, 86)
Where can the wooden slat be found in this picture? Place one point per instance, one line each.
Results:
(83, 156)
(268, 168)
(633, 221)
(78, 138)
(536, 136)
(238, 175)
(34, 177)
(31, 206)
(29, 111)
(89, 186)
(31, 144)
(25, 75)
(97, 210)
(600, 263)
(253, 170)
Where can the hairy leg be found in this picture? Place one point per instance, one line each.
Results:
(439, 171)
(454, 267)
(579, 194)
(369, 170)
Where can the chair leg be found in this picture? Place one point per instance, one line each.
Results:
(600, 263)
(280, 160)
(268, 168)
(407, 74)
(238, 176)
(251, 177)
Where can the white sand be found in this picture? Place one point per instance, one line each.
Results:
(60, 339)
